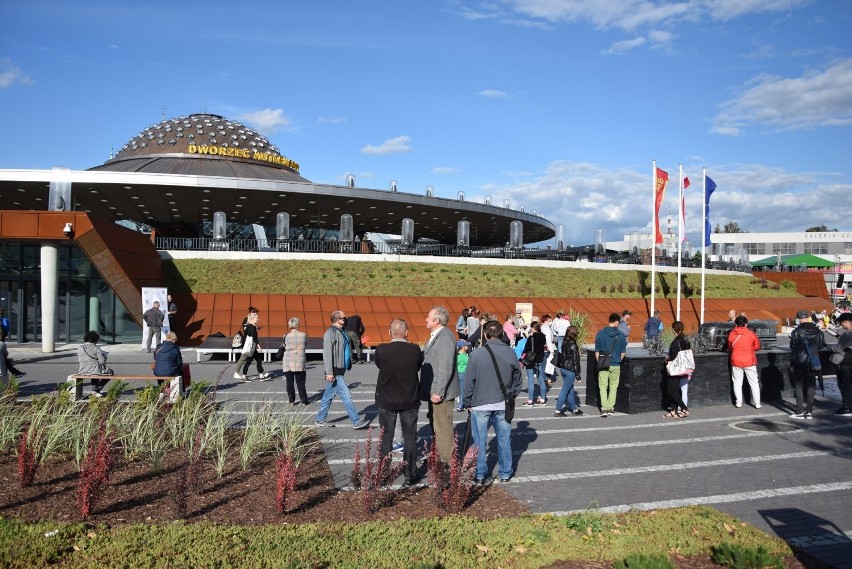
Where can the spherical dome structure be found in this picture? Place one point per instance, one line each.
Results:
(203, 144)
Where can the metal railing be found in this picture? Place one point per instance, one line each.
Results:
(421, 249)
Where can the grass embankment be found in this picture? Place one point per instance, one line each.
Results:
(433, 279)
(527, 542)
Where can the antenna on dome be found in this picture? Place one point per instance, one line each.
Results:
(164, 112)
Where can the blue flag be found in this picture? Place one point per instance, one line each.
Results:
(709, 187)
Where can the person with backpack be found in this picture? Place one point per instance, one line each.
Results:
(806, 340)
(842, 358)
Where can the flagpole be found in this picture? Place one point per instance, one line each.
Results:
(703, 237)
(653, 230)
(679, 233)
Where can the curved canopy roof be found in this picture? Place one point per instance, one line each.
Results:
(175, 174)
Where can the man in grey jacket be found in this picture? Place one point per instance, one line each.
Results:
(336, 359)
(439, 382)
(153, 318)
(484, 397)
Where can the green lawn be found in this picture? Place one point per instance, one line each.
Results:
(432, 279)
(455, 541)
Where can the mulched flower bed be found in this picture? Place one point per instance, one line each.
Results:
(136, 494)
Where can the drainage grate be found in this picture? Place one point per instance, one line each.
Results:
(766, 426)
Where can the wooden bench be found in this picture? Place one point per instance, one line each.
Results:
(268, 346)
(75, 381)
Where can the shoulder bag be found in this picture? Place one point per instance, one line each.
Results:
(683, 364)
(510, 402)
(605, 358)
(813, 357)
(558, 359)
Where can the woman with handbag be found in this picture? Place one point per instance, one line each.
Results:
(569, 365)
(92, 361)
(533, 360)
(673, 382)
(251, 350)
(294, 362)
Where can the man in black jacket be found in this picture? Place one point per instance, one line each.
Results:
(398, 394)
(805, 342)
(354, 329)
(843, 354)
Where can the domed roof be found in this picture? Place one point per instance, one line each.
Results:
(203, 144)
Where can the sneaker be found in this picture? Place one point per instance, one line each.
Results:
(362, 424)
(97, 394)
(294, 403)
(757, 406)
(323, 424)
(577, 412)
(738, 405)
(797, 415)
(264, 377)
(809, 415)
(842, 412)
(504, 480)
(528, 403)
(604, 414)
(559, 414)
(540, 402)
(240, 376)
(397, 447)
(479, 481)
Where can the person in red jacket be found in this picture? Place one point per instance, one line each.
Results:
(743, 343)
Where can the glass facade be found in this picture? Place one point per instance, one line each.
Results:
(86, 302)
(784, 248)
(816, 248)
(755, 248)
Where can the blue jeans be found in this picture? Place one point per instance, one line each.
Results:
(566, 395)
(479, 423)
(461, 390)
(345, 398)
(532, 382)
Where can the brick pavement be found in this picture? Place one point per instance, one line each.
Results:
(797, 484)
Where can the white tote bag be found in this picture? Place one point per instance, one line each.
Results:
(248, 346)
(683, 364)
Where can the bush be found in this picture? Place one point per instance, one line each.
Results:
(740, 557)
(788, 285)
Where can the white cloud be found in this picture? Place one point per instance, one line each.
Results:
(445, 170)
(267, 120)
(331, 120)
(391, 146)
(11, 74)
(493, 94)
(624, 46)
(821, 98)
(627, 15)
(586, 196)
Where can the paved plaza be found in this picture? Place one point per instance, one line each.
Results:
(791, 478)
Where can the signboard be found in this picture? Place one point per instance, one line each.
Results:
(150, 295)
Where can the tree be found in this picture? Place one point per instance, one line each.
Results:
(819, 229)
(730, 227)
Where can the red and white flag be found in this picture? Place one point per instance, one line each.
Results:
(682, 221)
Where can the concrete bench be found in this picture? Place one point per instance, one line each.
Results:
(268, 347)
(75, 381)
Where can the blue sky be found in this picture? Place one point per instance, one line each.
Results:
(556, 105)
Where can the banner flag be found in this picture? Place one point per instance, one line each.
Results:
(682, 221)
(709, 188)
(659, 191)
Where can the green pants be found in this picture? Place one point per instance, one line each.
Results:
(608, 387)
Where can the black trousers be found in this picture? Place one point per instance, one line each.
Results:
(673, 389)
(299, 378)
(408, 423)
(804, 384)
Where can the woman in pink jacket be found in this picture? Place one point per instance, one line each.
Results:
(743, 343)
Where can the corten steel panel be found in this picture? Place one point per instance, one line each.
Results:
(240, 303)
(21, 225)
(348, 304)
(409, 305)
(328, 304)
(425, 304)
(260, 301)
(277, 303)
(311, 303)
(378, 304)
(395, 304)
